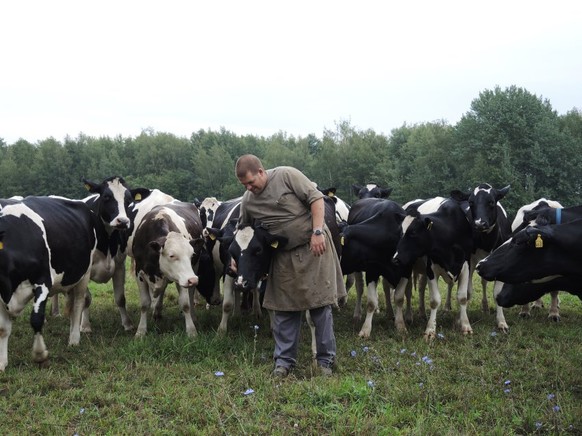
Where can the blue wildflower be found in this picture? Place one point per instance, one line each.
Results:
(219, 373)
(551, 396)
(507, 390)
(557, 408)
(538, 425)
(440, 336)
(507, 382)
(365, 349)
(493, 334)
(249, 391)
(370, 383)
(353, 353)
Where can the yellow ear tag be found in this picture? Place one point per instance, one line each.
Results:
(330, 194)
(212, 236)
(137, 197)
(87, 187)
(429, 226)
(275, 244)
(342, 240)
(1, 245)
(539, 241)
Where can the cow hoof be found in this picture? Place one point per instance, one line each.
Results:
(467, 332)
(40, 357)
(140, 334)
(524, 314)
(86, 330)
(429, 337)
(504, 328)
(555, 318)
(128, 328)
(364, 334)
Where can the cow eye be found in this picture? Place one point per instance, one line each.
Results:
(259, 251)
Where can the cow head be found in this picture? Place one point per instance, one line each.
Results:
(532, 253)
(371, 190)
(483, 204)
(524, 293)
(177, 255)
(252, 249)
(416, 240)
(114, 200)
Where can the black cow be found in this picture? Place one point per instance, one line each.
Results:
(491, 228)
(371, 190)
(167, 247)
(536, 253)
(525, 293)
(369, 242)
(441, 235)
(46, 246)
(525, 216)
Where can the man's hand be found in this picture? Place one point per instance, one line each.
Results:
(317, 244)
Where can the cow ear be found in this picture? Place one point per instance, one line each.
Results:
(139, 194)
(399, 217)
(385, 192)
(158, 244)
(211, 233)
(458, 195)
(502, 193)
(90, 186)
(356, 189)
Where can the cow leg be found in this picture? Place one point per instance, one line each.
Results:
(227, 303)
(484, 301)
(463, 299)
(359, 281)
(399, 292)
(554, 314)
(435, 302)
(408, 316)
(388, 296)
(5, 331)
(313, 338)
(85, 317)
(448, 305)
(119, 295)
(37, 318)
(145, 304)
(538, 304)
(525, 311)
(55, 310)
(257, 312)
(185, 296)
(158, 301)
(76, 302)
(372, 306)
(422, 282)
(501, 323)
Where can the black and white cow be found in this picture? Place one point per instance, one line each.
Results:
(167, 246)
(526, 216)
(441, 235)
(46, 246)
(544, 256)
(220, 237)
(110, 201)
(208, 208)
(371, 190)
(369, 240)
(491, 228)
(342, 209)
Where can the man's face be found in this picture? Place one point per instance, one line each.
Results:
(254, 182)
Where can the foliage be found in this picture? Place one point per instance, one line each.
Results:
(508, 137)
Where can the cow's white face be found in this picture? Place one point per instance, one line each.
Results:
(117, 199)
(176, 260)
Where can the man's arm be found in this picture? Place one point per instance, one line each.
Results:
(317, 243)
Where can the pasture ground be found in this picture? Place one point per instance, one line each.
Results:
(526, 382)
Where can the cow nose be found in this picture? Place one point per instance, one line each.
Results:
(396, 261)
(192, 281)
(481, 225)
(122, 222)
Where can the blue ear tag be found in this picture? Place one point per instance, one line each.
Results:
(539, 241)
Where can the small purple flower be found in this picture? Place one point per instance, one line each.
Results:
(538, 425)
(557, 408)
(219, 373)
(440, 336)
(507, 391)
(421, 384)
(249, 391)
(371, 383)
(551, 396)
(365, 349)
(507, 382)
(427, 360)
(413, 354)
(493, 334)
(82, 410)
(255, 327)
(402, 351)
(353, 353)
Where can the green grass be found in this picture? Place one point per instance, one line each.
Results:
(488, 383)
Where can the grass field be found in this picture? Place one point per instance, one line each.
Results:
(526, 382)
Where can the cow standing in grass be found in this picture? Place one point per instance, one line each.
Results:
(46, 246)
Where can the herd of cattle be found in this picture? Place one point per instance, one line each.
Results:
(51, 245)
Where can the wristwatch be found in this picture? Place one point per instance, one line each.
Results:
(317, 232)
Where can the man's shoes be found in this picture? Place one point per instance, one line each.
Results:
(325, 371)
(280, 372)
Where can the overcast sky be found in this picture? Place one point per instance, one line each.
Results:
(106, 68)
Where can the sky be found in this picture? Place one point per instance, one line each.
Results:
(111, 68)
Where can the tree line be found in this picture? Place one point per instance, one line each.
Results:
(508, 137)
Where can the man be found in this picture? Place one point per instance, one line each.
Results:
(305, 274)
